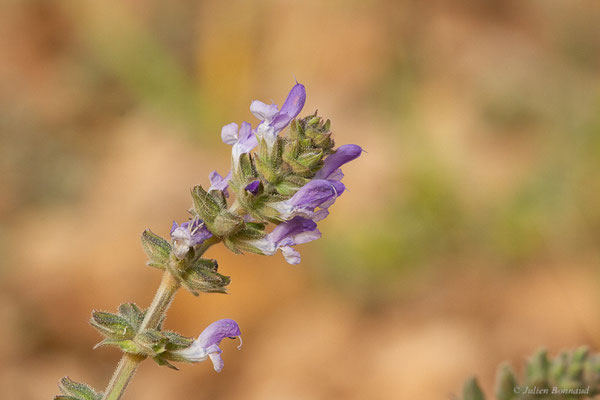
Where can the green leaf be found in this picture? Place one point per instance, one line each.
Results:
(111, 325)
(175, 341)
(242, 241)
(205, 205)
(163, 362)
(76, 390)
(310, 158)
(202, 276)
(132, 313)
(575, 369)
(129, 346)
(157, 249)
(506, 383)
(287, 188)
(472, 391)
(225, 224)
(537, 369)
(264, 168)
(246, 170)
(152, 342)
(558, 368)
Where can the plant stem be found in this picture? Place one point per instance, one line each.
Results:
(155, 314)
(161, 302)
(123, 374)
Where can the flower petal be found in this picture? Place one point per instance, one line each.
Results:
(247, 140)
(217, 361)
(290, 255)
(306, 237)
(291, 108)
(187, 235)
(263, 246)
(217, 182)
(253, 187)
(320, 215)
(343, 155)
(229, 133)
(207, 344)
(217, 331)
(194, 353)
(336, 175)
(291, 228)
(262, 111)
(314, 193)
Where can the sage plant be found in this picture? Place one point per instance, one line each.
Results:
(570, 375)
(281, 186)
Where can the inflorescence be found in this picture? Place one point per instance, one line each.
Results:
(278, 188)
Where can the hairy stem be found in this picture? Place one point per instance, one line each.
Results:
(155, 314)
(161, 302)
(123, 374)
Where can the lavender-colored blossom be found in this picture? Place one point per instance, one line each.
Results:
(253, 186)
(275, 120)
(298, 230)
(187, 235)
(218, 182)
(242, 139)
(333, 162)
(262, 111)
(207, 344)
(322, 191)
(318, 193)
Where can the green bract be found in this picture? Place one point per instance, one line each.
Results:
(157, 249)
(72, 390)
(121, 330)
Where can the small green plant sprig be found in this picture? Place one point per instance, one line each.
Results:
(283, 186)
(570, 375)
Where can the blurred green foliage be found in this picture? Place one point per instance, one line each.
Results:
(570, 375)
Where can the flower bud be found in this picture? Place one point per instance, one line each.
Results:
(268, 160)
(202, 276)
(225, 224)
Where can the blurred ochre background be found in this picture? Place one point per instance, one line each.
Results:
(469, 234)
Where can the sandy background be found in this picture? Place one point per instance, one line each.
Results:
(469, 234)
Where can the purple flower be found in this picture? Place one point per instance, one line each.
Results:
(207, 344)
(188, 234)
(253, 186)
(296, 231)
(217, 182)
(285, 235)
(242, 139)
(322, 191)
(316, 193)
(333, 162)
(273, 119)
